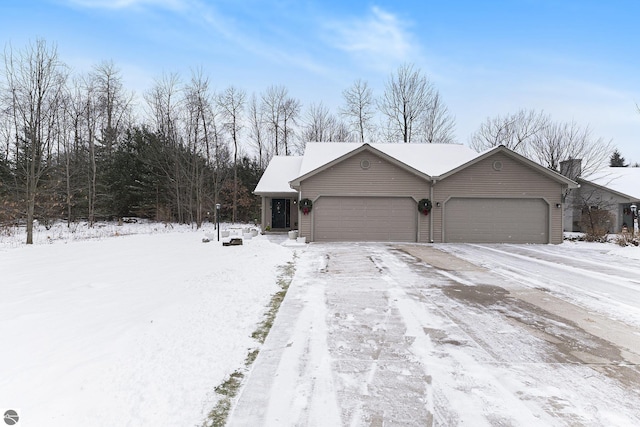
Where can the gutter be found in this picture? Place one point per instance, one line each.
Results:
(433, 182)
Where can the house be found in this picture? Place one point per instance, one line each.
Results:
(413, 193)
(613, 189)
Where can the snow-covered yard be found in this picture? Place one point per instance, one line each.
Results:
(130, 325)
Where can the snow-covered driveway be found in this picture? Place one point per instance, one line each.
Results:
(414, 335)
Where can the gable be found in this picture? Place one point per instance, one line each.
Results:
(361, 149)
(499, 174)
(527, 164)
(364, 173)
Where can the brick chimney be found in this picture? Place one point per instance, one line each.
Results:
(571, 168)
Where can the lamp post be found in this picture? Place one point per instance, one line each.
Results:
(218, 219)
(634, 215)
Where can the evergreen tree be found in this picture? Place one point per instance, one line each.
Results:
(617, 161)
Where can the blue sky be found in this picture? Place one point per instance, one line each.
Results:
(574, 59)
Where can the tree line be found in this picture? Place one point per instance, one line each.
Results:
(79, 146)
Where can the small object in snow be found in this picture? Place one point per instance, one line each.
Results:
(205, 240)
(233, 242)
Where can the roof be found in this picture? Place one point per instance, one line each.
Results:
(624, 181)
(429, 159)
(279, 172)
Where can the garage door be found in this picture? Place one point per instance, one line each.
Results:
(496, 221)
(365, 219)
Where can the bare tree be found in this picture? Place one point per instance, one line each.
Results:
(318, 123)
(35, 86)
(438, 125)
(272, 105)
(164, 103)
(536, 136)
(280, 116)
(113, 103)
(90, 119)
(359, 107)
(200, 121)
(557, 142)
(232, 102)
(321, 125)
(290, 111)
(256, 130)
(406, 99)
(514, 131)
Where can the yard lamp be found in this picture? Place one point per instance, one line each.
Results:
(634, 215)
(218, 219)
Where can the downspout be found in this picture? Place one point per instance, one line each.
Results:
(433, 182)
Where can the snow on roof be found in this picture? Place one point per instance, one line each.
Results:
(276, 177)
(623, 180)
(430, 159)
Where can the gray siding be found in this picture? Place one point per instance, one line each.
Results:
(512, 180)
(589, 195)
(348, 178)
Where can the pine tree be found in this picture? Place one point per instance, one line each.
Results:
(617, 161)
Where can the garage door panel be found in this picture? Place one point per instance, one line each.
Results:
(365, 219)
(476, 220)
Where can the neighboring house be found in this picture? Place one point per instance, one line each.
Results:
(614, 189)
(372, 192)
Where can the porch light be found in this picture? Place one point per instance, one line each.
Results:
(558, 205)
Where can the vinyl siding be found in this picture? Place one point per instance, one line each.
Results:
(514, 180)
(381, 179)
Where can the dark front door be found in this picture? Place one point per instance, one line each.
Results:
(280, 213)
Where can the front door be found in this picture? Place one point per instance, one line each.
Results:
(280, 213)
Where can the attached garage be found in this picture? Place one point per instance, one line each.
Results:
(496, 220)
(370, 192)
(378, 219)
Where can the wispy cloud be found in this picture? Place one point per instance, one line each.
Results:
(380, 37)
(129, 4)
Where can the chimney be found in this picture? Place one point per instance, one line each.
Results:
(571, 168)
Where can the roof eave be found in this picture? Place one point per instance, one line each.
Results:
(364, 147)
(605, 188)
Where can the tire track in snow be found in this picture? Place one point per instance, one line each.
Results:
(545, 376)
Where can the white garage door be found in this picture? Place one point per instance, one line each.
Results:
(365, 219)
(496, 221)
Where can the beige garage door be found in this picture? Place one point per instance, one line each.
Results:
(365, 219)
(496, 221)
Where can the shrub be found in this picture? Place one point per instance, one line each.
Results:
(628, 239)
(595, 223)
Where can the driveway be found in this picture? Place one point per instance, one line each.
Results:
(417, 335)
